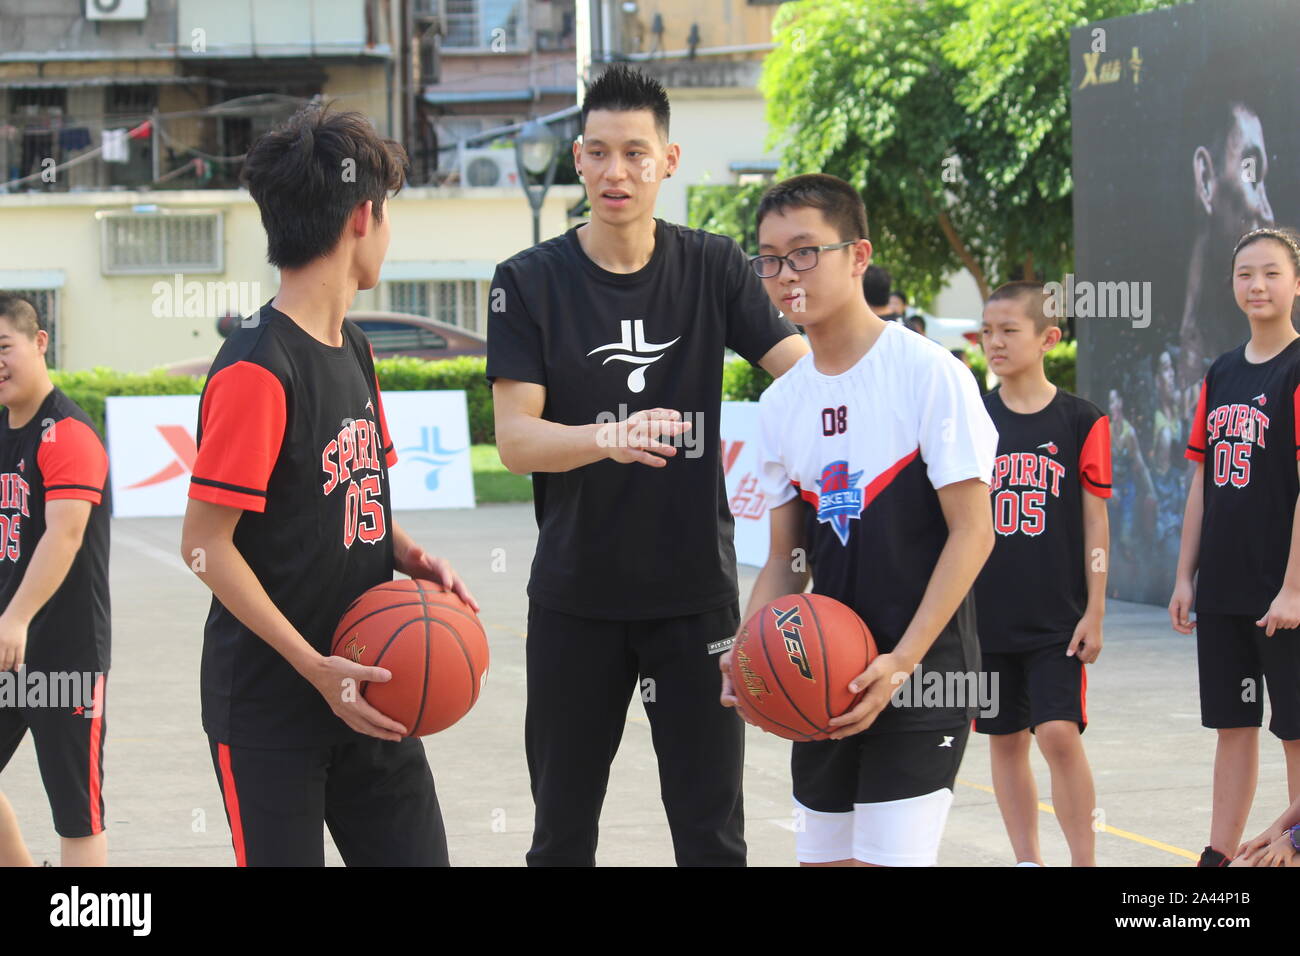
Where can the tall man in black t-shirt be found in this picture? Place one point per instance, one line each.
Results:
(289, 520)
(605, 347)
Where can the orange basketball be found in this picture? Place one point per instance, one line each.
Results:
(429, 639)
(792, 663)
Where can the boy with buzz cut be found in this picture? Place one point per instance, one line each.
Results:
(290, 519)
(876, 455)
(54, 606)
(1042, 595)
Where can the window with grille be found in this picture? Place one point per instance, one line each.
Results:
(485, 24)
(46, 304)
(160, 242)
(455, 302)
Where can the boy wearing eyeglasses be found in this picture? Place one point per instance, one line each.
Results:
(876, 455)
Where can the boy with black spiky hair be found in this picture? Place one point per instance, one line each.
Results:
(290, 519)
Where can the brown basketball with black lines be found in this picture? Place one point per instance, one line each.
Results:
(431, 641)
(792, 663)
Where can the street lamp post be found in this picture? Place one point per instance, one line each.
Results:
(536, 149)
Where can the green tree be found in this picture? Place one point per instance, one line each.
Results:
(952, 118)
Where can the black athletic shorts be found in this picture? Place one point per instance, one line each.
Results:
(376, 796)
(1236, 662)
(69, 739)
(830, 776)
(1033, 687)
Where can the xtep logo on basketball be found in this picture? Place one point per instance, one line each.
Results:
(790, 625)
(634, 349)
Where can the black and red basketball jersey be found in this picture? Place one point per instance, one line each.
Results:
(57, 455)
(866, 450)
(292, 432)
(1244, 433)
(1034, 587)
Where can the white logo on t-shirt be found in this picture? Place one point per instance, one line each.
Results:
(641, 352)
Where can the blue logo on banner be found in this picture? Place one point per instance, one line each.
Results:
(839, 501)
(432, 453)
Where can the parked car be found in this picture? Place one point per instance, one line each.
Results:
(391, 334)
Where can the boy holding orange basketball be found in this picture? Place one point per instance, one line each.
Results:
(289, 520)
(1042, 595)
(876, 456)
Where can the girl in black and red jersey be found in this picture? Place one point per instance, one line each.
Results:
(1239, 564)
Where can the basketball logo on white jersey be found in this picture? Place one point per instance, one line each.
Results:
(839, 501)
(635, 351)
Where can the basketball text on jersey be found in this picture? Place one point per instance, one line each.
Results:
(839, 501)
(14, 492)
(1028, 479)
(356, 449)
(790, 625)
(1232, 458)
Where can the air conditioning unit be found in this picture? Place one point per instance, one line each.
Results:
(117, 9)
(489, 167)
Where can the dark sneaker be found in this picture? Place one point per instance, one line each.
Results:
(1212, 857)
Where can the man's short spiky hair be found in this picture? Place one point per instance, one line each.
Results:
(621, 88)
(1032, 297)
(308, 175)
(21, 313)
(839, 202)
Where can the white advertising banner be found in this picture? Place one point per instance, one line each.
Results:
(740, 465)
(151, 450)
(431, 435)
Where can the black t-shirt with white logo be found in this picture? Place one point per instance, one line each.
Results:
(57, 455)
(1034, 587)
(1245, 433)
(631, 542)
(292, 432)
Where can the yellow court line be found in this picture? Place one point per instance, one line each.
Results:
(1125, 834)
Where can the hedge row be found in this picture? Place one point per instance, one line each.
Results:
(1059, 364)
(89, 389)
(741, 382)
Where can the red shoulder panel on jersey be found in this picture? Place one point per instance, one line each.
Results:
(1094, 459)
(72, 461)
(1197, 441)
(243, 420)
(1295, 404)
(390, 453)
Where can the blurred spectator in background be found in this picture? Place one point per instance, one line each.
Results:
(876, 286)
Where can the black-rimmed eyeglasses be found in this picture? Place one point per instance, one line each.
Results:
(801, 260)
